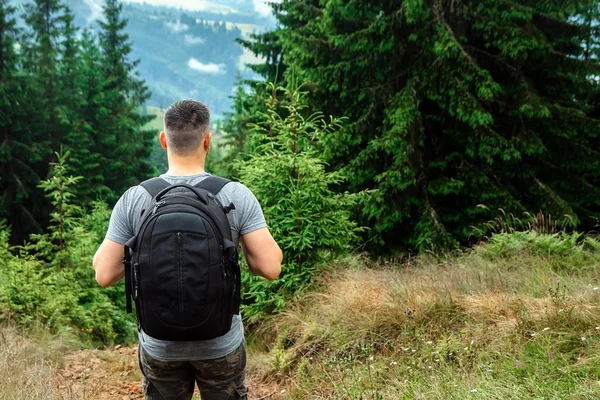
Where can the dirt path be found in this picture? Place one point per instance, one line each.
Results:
(114, 375)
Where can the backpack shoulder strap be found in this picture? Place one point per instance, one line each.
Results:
(155, 185)
(213, 184)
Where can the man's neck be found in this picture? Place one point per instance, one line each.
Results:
(186, 166)
(184, 171)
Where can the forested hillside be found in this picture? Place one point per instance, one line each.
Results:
(189, 54)
(185, 57)
(183, 53)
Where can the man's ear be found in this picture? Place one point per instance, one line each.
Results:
(163, 140)
(206, 141)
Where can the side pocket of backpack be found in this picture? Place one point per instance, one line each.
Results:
(135, 278)
(234, 281)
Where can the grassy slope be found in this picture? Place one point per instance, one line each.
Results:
(517, 319)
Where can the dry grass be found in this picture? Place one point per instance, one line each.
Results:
(51, 367)
(509, 326)
(26, 370)
(434, 301)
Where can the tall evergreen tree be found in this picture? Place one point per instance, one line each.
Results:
(17, 175)
(78, 65)
(124, 145)
(44, 19)
(62, 89)
(453, 105)
(237, 133)
(37, 117)
(93, 112)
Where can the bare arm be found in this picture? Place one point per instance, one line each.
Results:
(262, 253)
(108, 263)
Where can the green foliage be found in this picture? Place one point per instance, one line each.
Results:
(310, 222)
(50, 282)
(18, 154)
(451, 105)
(557, 244)
(127, 146)
(237, 132)
(63, 218)
(64, 88)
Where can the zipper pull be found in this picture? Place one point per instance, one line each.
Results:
(157, 206)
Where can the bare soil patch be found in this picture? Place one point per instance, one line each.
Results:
(114, 374)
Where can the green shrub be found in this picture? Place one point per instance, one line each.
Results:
(49, 281)
(557, 244)
(310, 222)
(566, 253)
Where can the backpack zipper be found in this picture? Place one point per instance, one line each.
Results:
(235, 299)
(179, 272)
(220, 237)
(157, 206)
(223, 271)
(212, 222)
(136, 283)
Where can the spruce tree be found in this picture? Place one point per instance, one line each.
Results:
(124, 145)
(44, 19)
(310, 222)
(236, 137)
(37, 118)
(78, 138)
(17, 176)
(86, 127)
(456, 108)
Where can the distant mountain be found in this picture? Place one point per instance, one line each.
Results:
(187, 53)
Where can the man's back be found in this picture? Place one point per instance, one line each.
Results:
(172, 368)
(246, 217)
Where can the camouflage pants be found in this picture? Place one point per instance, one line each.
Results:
(219, 379)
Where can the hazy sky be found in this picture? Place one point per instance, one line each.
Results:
(259, 5)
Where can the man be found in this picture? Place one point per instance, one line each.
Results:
(171, 369)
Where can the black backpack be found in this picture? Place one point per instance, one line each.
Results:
(181, 267)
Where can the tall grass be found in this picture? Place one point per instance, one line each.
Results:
(504, 321)
(27, 369)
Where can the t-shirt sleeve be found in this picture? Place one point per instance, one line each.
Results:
(120, 227)
(251, 217)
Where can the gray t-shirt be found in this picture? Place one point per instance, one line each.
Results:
(247, 217)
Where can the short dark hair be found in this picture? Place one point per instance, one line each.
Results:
(186, 123)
